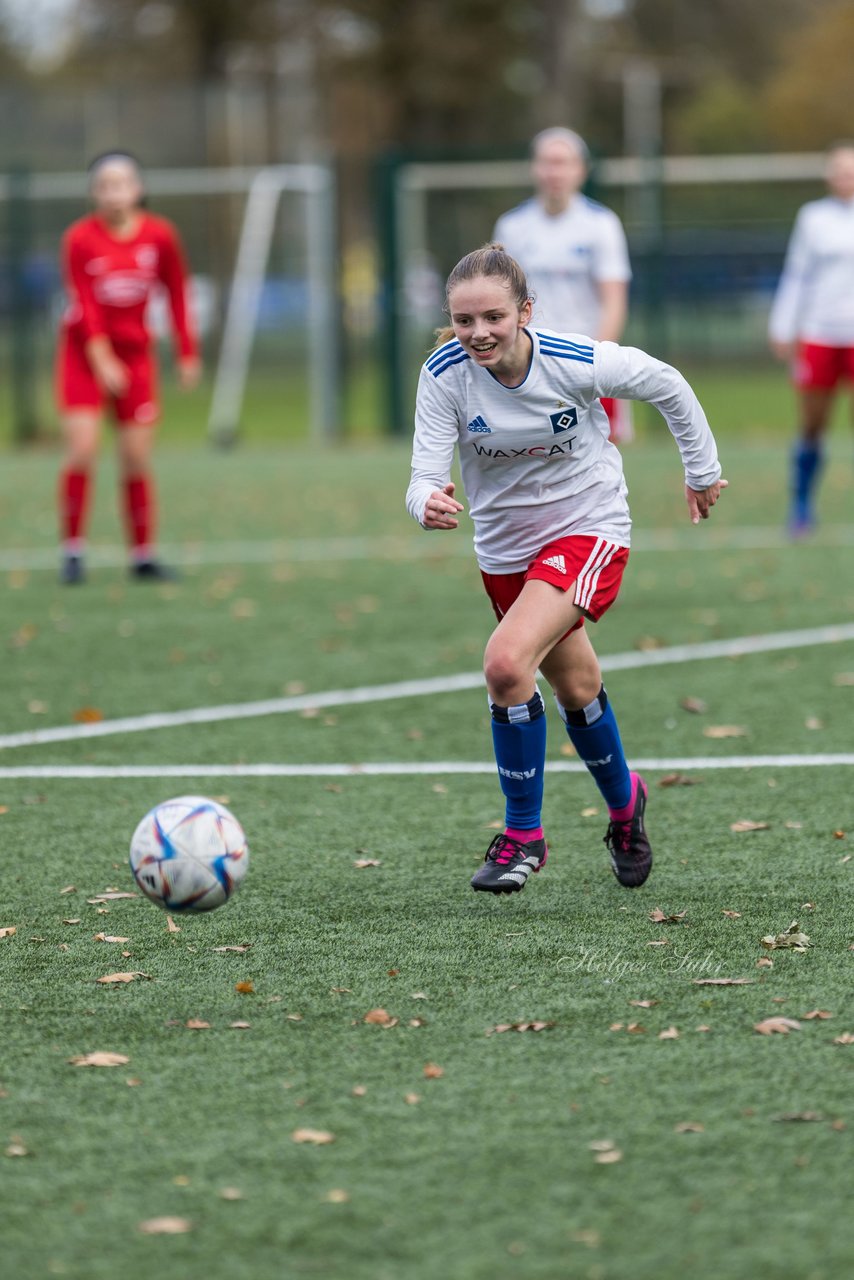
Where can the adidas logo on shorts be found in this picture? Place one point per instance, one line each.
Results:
(556, 562)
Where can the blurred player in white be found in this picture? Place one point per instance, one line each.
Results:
(812, 321)
(573, 252)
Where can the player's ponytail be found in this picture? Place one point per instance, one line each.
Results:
(494, 262)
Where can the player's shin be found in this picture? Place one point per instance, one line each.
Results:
(519, 739)
(594, 733)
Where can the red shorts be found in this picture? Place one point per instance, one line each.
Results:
(820, 368)
(619, 414)
(591, 567)
(77, 388)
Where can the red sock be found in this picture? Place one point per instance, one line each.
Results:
(139, 514)
(74, 489)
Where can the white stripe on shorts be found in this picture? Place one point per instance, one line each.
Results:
(588, 579)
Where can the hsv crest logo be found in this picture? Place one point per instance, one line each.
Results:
(563, 420)
(478, 424)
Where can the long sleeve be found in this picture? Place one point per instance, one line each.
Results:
(783, 323)
(86, 310)
(436, 435)
(173, 273)
(627, 373)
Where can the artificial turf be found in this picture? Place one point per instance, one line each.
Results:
(490, 1172)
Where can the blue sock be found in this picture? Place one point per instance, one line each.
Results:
(806, 465)
(594, 734)
(519, 738)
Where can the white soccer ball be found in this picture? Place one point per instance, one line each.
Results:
(189, 854)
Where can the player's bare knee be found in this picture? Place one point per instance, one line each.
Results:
(577, 689)
(508, 676)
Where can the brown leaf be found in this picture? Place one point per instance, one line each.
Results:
(240, 1026)
(695, 705)
(601, 1144)
(411, 1099)
(839, 835)
(722, 982)
(732, 915)
(703, 1027)
(317, 1137)
(792, 939)
(816, 1013)
(688, 1126)
(16, 1147)
(636, 1029)
(69, 888)
(678, 780)
(171, 926)
(9, 931)
(417, 1022)
(101, 1058)
(418, 995)
(520, 1026)
(657, 916)
(110, 895)
(747, 824)
(725, 731)
(167, 1226)
(361, 863)
(590, 812)
(804, 1116)
(337, 1196)
(567, 749)
(659, 942)
(87, 715)
(133, 1082)
(230, 1193)
(73, 920)
(244, 988)
(379, 1018)
(197, 1024)
(358, 1091)
(670, 1033)
(776, 1026)
(432, 1071)
(108, 937)
(608, 1157)
(643, 1004)
(845, 1038)
(109, 978)
(764, 962)
(240, 950)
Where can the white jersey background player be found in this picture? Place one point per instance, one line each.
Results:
(812, 321)
(521, 405)
(573, 251)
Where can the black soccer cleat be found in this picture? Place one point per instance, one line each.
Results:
(631, 854)
(152, 571)
(72, 571)
(508, 863)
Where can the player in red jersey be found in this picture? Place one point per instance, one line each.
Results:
(113, 260)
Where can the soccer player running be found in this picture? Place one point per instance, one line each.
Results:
(547, 496)
(812, 322)
(573, 251)
(112, 261)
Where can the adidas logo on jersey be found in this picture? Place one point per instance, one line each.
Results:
(556, 562)
(478, 424)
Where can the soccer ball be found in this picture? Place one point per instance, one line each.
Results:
(189, 854)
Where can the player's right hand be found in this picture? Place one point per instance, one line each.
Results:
(113, 375)
(783, 350)
(441, 509)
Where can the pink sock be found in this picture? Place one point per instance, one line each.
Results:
(535, 833)
(624, 815)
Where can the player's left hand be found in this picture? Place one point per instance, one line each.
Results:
(701, 501)
(189, 372)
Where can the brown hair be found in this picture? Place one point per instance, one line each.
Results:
(493, 261)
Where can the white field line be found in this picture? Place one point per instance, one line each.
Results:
(402, 769)
(407, 547)
(632, 660)
(736, 647)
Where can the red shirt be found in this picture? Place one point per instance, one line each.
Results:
(109, 282)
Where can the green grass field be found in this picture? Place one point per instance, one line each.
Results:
(727, 1153)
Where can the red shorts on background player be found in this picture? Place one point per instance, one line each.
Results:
(113, 260)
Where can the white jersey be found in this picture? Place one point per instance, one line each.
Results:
(536, 461)
(815, 297)
(565, 257)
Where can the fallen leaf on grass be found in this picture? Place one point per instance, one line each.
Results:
(419, 995)
(244, 988)
(412, 1099)
(703, 1027)
(432, 1071)
(806, 1117)
(608, 1157)
(813, 722)
(670, 1033)
(230, 1193)
(73, 920)
(16, 1147)
(69, 888)
(695, 705)
(240, 1026)
(164, 1226)
(725, 731)
(133, 1082)
(747, 824)
(722, 982)
(764, 962)
(337, 1196)
(417, 1022)
(659, 942)
(678, 780)
(816, 1013)
(643, 1004)
(793, 826)
(843, 678)
(839, 835)
(109, 937)
(520, 1026)
(109, 978)
(792, 939)
(110, 895)
(317, 1137)
(361, 863)
(732, 915)
(776, 1026)
(567, 749)
(657, 916)
(197, 1024)
(590, 812)
(358, 1091)
(87, 715)
(380, 1018)
(689, 1126)
(101, 1058)
(8, 931)
(845, 1038)
(171, 926)
(239, 950)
